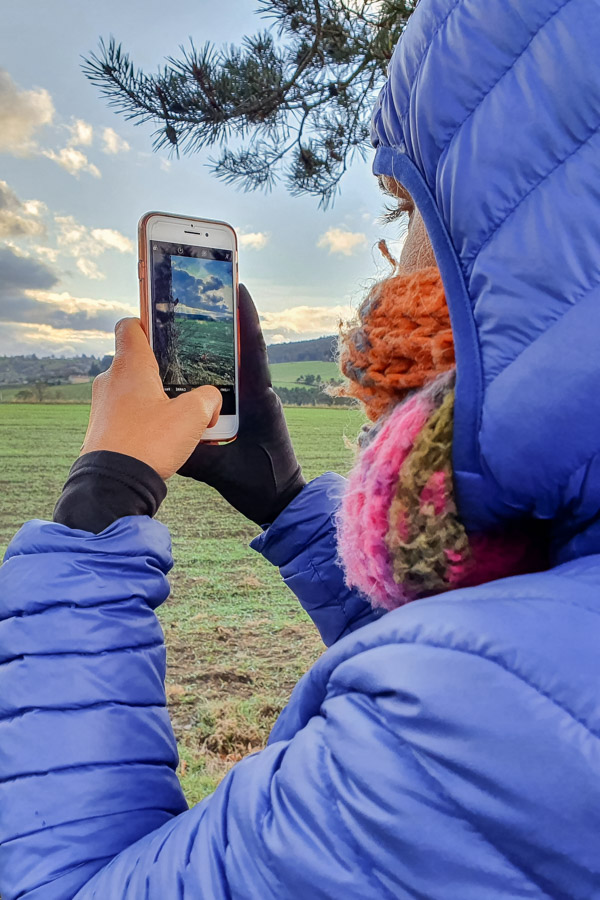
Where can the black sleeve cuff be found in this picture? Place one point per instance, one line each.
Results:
(104, 486)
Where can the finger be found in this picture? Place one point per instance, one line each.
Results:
(200, 407)
(254, 364)
(131, 343)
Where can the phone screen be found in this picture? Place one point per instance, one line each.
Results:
(193, 330)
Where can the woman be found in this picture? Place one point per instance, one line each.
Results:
(447, 749)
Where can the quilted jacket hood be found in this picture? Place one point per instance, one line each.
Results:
(490, 118)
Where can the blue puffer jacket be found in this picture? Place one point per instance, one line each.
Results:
(449, 749)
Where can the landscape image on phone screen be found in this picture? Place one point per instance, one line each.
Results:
(193, 312)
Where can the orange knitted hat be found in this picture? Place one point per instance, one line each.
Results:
(400, 340)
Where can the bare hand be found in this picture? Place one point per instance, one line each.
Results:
(131, 413)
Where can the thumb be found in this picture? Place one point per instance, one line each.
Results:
(131, 343)
(199, 408)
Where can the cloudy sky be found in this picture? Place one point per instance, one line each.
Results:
(203, 286)
(75, 178)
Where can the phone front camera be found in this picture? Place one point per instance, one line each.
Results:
(180, 249)
(206, 234)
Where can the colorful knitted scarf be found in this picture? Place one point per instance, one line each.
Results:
(400, 537)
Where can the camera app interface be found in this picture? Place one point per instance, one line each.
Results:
(193, 325)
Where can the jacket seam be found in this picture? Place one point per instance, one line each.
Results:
(90, 544)
(321, 531)
(445, 795)
(81, 707)
(43, 773)
(421, 62)
(69, 872)
(69, 604)
(575, 301)
(122, 812)
(521, 599)
(468, 259)
(358, 851)
(268, 814)
(490, 659)
(445, 147)
(84, 653)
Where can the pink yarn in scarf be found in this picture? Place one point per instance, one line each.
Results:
(363, 516)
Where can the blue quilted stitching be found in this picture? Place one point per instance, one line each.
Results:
(369, 873)
(520, 677)
(424, 57)
(441, 791)
(471, 257)
(443, 149)
(589, 289)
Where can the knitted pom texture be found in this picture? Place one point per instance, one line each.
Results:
(400, 340)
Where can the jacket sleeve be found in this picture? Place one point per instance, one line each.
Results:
(90, 805)
(87, 752)
(303, 543)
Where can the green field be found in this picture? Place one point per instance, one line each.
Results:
(237, 639)
(60, 393)
(285, 374)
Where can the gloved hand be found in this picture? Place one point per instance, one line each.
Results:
(258, 473)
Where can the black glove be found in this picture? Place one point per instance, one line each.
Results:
(258, 473)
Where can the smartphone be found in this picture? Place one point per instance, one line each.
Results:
(189, 299)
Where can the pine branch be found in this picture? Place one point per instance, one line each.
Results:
(305, 99)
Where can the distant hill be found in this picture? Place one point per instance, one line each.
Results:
(323, 349)
(48, 369)
(57, 370)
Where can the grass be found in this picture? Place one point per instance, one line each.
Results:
(60, 393)
(285, 374)
(236, 637)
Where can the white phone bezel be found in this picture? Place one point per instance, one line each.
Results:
(221, 236)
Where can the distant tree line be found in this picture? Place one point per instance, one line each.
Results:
(40, 392)
(311, 396)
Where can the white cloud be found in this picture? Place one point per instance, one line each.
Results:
(71, 305)
(71, 233)
(253, 240)
(49, 253)
(298, 322)
(18, 338)
(18, 251)
(89, 268)
(19, 219)
(82, 134)
(112, 240)
(339, 240)
(84, 244)
(34, 207)
(113, 143)
(22, 114)
(74, 161)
